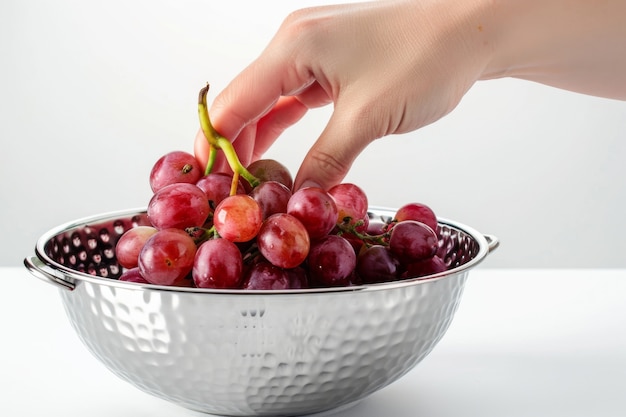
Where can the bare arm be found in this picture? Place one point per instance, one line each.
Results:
(578, 45)
(391, 67)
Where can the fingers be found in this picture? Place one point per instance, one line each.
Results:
(269, 77)
(287, 111)
(254, 139)
(245, 145)
(283, 90)
(201, 148)
(244, 149)
(330, 158)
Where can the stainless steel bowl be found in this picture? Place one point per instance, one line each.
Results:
(261, 353)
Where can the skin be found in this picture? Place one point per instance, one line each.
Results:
(391, 67)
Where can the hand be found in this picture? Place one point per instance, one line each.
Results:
(388, 67)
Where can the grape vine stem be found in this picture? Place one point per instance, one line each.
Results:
(368, 239)
(219, 142)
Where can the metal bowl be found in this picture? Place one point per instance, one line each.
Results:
(245, 353)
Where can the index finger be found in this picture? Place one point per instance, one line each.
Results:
(256, 90)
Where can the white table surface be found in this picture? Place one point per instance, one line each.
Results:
(529, 343)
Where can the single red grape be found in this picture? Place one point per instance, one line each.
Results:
(272, 196)
(351, 203)
(417, 211)
(238, 218)
(316, 209)
(130, 243)
(167, 257)
(263, 275)
(178, 206)
(412, 241)
(377, 264)
(331, 261)
(283, 240)
(174, 167)
(218, 264)
(133, 275)
(425, 267)
(271, 170)
(377, 227)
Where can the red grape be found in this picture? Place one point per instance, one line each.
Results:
(272, 196)
(264, 276)
(377, 227)
(218, 264)
(331, 261)
(271, 170)
(217, 187)
(167, 257)
(412, 241)
(238, 218)
(268, 236)
(178, 206)
(377, 264)
(130, 243)
(351, 203)
(133, 275)
(174, 167)
(283, 240)
(417, 211)
(316, 209)
(429, 266)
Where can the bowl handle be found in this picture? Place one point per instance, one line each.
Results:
(492, 242)
(42, 271)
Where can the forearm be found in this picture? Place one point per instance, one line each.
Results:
(578, 45)
(391, 67)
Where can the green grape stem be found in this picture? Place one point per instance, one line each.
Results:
(201, 234)
(210, 160)
(219, 142)
(368, 239)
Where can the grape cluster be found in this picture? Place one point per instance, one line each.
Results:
(248, 229)
(214, 230)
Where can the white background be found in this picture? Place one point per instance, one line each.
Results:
(92, 93)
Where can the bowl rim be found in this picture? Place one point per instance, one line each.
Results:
(74, 277)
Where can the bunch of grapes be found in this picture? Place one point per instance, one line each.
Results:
(248, 229)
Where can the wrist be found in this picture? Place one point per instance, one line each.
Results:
(525, 35)
(576, 45)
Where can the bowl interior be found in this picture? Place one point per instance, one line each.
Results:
(86, 247)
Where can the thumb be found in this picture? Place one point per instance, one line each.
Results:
(329, 160)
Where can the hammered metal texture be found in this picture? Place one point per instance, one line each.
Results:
(252, 354)
(256, 355)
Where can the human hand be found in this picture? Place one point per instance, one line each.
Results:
(388, 68)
